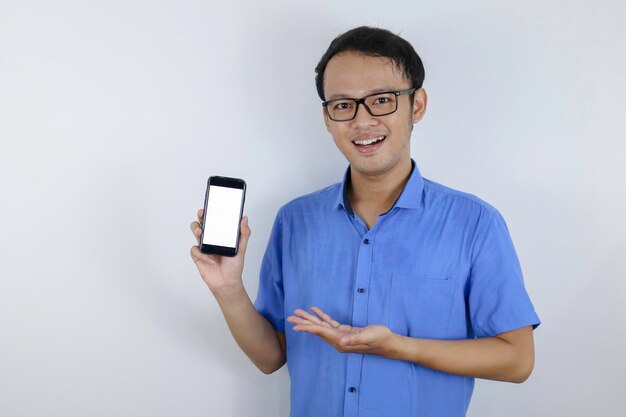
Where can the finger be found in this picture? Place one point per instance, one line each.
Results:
(302, 328)
(311, 328)
(200, 214)
(328, 333)
(197, 256)
(326, 317)
(244, 234)
(196, 229)
(331, 337)
(349, 344)
(309, 316)
(299, 320)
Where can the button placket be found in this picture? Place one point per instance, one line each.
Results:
(359, 319)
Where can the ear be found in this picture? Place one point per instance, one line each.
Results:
(326, 119)
(420, 100)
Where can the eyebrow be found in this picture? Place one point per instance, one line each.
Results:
(374, 91)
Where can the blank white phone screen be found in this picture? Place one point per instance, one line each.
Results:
(222, 216)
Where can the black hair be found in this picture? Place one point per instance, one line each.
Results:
(374, 42)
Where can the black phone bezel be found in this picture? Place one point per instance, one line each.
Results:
(230, 183)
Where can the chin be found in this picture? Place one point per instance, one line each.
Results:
(370, 167)
(376, 164)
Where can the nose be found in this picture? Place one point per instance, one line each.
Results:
(363, 117)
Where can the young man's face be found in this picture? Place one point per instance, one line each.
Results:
(354, 75)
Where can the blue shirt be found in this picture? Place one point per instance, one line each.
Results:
(439, 264)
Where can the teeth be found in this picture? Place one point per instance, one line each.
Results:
(369, 141)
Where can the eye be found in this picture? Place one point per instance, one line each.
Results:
(382, 100)
(342, 105)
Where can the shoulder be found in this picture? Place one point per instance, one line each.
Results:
(437, 195)
(462, 210)
(320, 199)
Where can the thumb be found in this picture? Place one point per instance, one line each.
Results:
(244, 235)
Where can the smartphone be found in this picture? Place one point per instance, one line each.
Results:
(223, 208)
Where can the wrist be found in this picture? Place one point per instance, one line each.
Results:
(226, 294)
(395, 346)
(405, 348)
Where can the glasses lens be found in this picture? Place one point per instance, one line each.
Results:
(342, 109)
(382, 104)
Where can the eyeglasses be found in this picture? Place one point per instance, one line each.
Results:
(378, 104)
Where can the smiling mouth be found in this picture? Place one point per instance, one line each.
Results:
(369, 142)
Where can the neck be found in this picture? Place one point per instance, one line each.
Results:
(379, 192)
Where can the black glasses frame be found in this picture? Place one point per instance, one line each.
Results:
(362, 101)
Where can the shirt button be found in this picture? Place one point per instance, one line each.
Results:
(361, 290)
(366, 241)
(352, 389)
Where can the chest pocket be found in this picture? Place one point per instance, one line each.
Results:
(420, 306)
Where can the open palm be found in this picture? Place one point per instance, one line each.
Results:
(374, 339)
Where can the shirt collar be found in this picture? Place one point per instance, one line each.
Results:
(410, 197)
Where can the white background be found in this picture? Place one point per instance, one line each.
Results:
(114, 113)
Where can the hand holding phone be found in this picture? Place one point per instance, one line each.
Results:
(220, 271)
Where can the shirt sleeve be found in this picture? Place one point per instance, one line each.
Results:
(270, 298)
(498, 301)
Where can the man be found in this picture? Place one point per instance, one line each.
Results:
(412, 289)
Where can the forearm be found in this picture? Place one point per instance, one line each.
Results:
(252, 332)
(488, 358)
